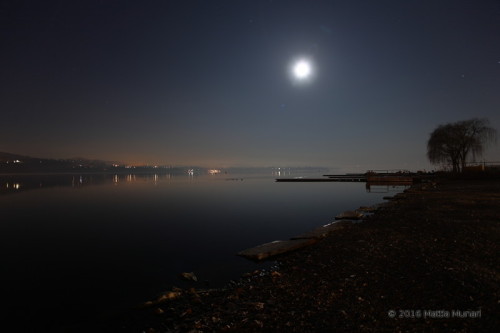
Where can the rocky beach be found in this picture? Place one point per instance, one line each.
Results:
(427, 260)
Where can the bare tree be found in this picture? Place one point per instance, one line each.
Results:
(455, 143)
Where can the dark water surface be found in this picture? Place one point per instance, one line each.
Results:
(76, 246)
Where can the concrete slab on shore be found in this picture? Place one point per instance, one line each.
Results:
(323, 231)
(267, 250)
(350, 215)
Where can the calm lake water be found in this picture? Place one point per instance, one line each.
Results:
(75, 246)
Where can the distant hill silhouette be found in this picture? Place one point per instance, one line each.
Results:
(19, 163)
(4, 157)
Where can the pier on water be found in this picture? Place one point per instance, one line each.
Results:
(370, 177)
(327, 178)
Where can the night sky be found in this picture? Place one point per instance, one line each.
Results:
(209, 82)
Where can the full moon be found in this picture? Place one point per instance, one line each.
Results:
(302, 69)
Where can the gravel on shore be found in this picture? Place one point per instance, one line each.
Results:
(426, 261)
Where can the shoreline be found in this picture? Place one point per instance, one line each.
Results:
(425, 260)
